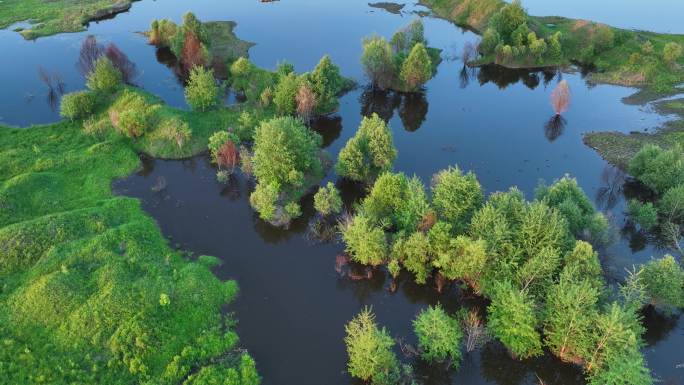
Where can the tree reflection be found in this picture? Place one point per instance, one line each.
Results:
(554, 127)
(329, 127)
(503, 77)
(413, 110)
(611, 189)
(412, 107)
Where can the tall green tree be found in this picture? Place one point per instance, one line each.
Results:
(417, 68)
(512, 320)
(369, 152)
(439, 335)
(202, 93)
(369, 349)
(377, 61)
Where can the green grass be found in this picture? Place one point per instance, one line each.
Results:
(55, 16)
(82, 271)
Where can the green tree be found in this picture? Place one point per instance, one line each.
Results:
(369, 349)
(241, 73)
(377, 61)
(285, 94)
(643, 214)
(326, 83)
(78, 105)
(671, 205)
(105, 77)
(364, 241)
(417, 68)
(570, 311)
(490, 40)
(456, 196)
(327, 200)
(201, 93)
(664, 281)
(584, 263)
(132, 115)
(416, 251)
(439, 335)
(508, 19)
(369, 152)
(396, 201)
(555, 49)
(465, 260)
(285, 152)
(512, 319)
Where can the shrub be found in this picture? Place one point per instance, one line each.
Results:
(672, 52)
(132, 115)
(584, 263)
(240, 74)
(456, 196)
(490, 40)
(365, 242)
(377, 61)
(643, 214)
(417, 68)
(511, 319)
(369, 152)
(174, 130)
(285, 95)
(439, 335)
(78, 105)
(508, 18)
(326, 83)
(327, 200)
(217, 140)
(306, 101)
(657, 168)
(664, 281)
(264, 199)
(104, 77)
(201, 93)
(369, 349)
(647, 48)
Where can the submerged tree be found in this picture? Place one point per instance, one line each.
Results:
(377, 61)
(370, 350)
(439, 335)
(560, 97)
(417, 69)
(369, 152)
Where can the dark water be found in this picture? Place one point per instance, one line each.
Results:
(293, 303)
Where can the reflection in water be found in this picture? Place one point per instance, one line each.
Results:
(610, 191)
(329, 127)
(412, 107)
(554, 127)
(503, 77)
(54, 84)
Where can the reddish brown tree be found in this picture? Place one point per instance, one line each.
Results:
(91, 50)
(121, 61)
(560, 97)
(306, 102)
(192, 54)
(228, 156)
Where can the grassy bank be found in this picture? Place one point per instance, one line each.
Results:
(90, 291)
(51, 17)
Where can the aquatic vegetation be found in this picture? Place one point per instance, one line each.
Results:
(327, 200)
(370, 350)
(403, 64)
(511, 319)
(105, 77)
(439, 335)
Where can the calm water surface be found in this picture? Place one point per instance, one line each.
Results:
(294, 303)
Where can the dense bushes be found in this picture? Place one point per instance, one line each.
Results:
(512, 320)
(189, 42)
(368, 153)
(105, 77)
(439, 335)
(404, 64)
(286, 163)
(370, 350)
(132, 115)
(327, 200)
(78, 105)
(201, 93)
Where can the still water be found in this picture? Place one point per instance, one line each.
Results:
(294, 302)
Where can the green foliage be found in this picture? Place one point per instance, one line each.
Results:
(490, 40)
(369, 152)
(417, 68)
(584, 263)
(464, 259)
(217, 140)
(511, 319)
(202, 93)
(78, 105)
(327, 200)
(664, 281)
(396, 201)
(241, 71)
(105, 77)
(509, 18)
(439, 335)
(377, 60)
(456, 196)
(570, 311)
(657, 168)
(569, 199)
(369, 349)
(643, 214)
(132, 114)
(542, 227)
(364, 241)
(285, 157)
(672, 52)
(174, 130)
(285, 94)
(264, 199)
(671, 205)
(416, 252)
(326, 83)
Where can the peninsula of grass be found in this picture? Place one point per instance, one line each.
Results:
(57, 16)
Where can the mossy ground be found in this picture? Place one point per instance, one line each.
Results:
(51, 17)
(84, 274)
